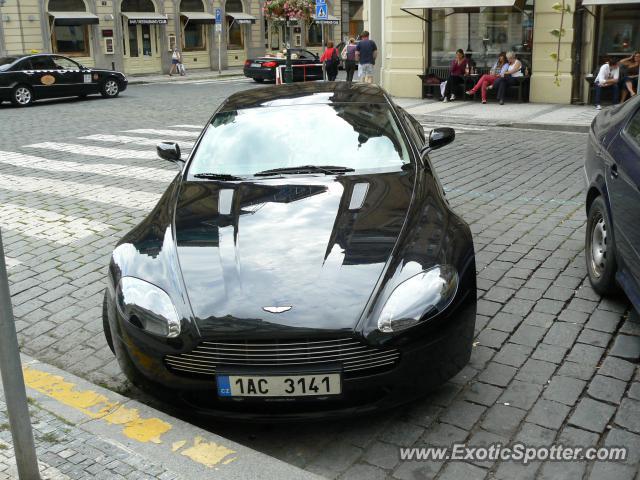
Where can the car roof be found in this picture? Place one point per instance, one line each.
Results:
(307, 93)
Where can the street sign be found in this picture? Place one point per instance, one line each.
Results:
(321, 12)
(321, 2)
(218, 27)
(218, 16)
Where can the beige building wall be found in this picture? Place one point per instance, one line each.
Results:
(543, 87)
(22, 31)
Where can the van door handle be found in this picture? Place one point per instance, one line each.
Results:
(614, 170)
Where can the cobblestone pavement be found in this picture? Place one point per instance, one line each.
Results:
(68, 453)
(552, 362)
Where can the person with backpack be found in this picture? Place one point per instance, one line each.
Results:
(349, 57)
(331, 60)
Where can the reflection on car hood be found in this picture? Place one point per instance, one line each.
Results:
(315, 244)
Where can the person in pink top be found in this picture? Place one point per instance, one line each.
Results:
(486, 81)
(456, 75)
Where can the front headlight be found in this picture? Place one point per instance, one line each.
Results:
(148, 307)
(420, 297)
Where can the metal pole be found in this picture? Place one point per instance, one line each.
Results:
(13, 383)
(288, 71)
(220, 51)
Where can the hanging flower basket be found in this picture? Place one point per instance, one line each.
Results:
(278, 11)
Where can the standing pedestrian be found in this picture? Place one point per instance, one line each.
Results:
(349, 57)
(608, 77)
(366, 53)
(176, 60)
(331, 60)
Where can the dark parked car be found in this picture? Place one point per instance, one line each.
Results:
(26, 78)
(612, 169)
(264, 68)
(304, 262)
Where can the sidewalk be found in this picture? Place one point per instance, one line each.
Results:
(204, 74)
(83, 431)
(541, 116)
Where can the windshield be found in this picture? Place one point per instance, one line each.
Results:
(248, 141)
(5, 62)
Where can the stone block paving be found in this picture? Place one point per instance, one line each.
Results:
(552, 361)
(67, 453)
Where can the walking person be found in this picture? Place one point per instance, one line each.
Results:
(456, 76)
(487, 80)
(514, 70)
(366, 54)
(349, 56)
(331, 61)
(608, 77)
(176, 60)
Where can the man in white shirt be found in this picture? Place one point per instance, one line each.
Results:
(608, 77)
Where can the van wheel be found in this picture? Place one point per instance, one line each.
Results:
(22, 96)
(600, 251)
(110, 88)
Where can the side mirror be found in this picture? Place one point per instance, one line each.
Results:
(169, 151)
(439, 137)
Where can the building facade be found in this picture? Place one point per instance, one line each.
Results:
(134, 36)
(561, 42)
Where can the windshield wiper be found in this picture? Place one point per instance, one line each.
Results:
(326, 169)
(217, 176)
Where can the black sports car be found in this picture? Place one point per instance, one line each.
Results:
(26, 78)
(304, 262)
(264, 68)
(612, 170)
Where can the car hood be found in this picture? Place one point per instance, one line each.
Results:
(313, 246)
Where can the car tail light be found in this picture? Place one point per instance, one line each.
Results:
(247, 63)
(270, 64)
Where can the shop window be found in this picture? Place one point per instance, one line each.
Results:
(72, 40)
(137, 6)
(619, 32)
(314, 35)
(235, 38)
(484, 34)
(193, 36)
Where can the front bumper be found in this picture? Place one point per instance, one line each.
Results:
(423, 365)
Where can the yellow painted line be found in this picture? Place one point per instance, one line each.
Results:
(145, 430)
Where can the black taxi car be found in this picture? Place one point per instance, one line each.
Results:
(26, 78)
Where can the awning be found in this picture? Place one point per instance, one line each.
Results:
(420, 4)
(149, 18)
(331, 20)
(242, 18)
(199, 17)
(74, 18)
(586, 3)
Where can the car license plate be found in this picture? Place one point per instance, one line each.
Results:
(256, 65)
(279, 386)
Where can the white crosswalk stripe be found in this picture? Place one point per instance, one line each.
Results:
(47, 225)
(164, 133)
(184, 145)
(90, 150)
(30, 161)
(91, 192)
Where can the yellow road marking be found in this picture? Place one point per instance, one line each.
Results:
(208, 453)
(98, 406)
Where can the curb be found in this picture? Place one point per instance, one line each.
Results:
(555, 127)
(134, 81)
(184, 449)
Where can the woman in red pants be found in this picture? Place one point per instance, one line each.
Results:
(486, 81)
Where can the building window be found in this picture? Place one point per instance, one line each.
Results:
(314, 35)
(72, 40)
(235, 37)
(194, 37)
(619, 32)
(484, 35)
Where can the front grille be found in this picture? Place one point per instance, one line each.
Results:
(356, 358)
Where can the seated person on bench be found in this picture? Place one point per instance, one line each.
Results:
(608, 77)
(508, 78)
(486, 81)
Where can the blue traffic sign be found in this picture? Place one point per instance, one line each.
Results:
(218, 15)
(321, 12)
(321, 2)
